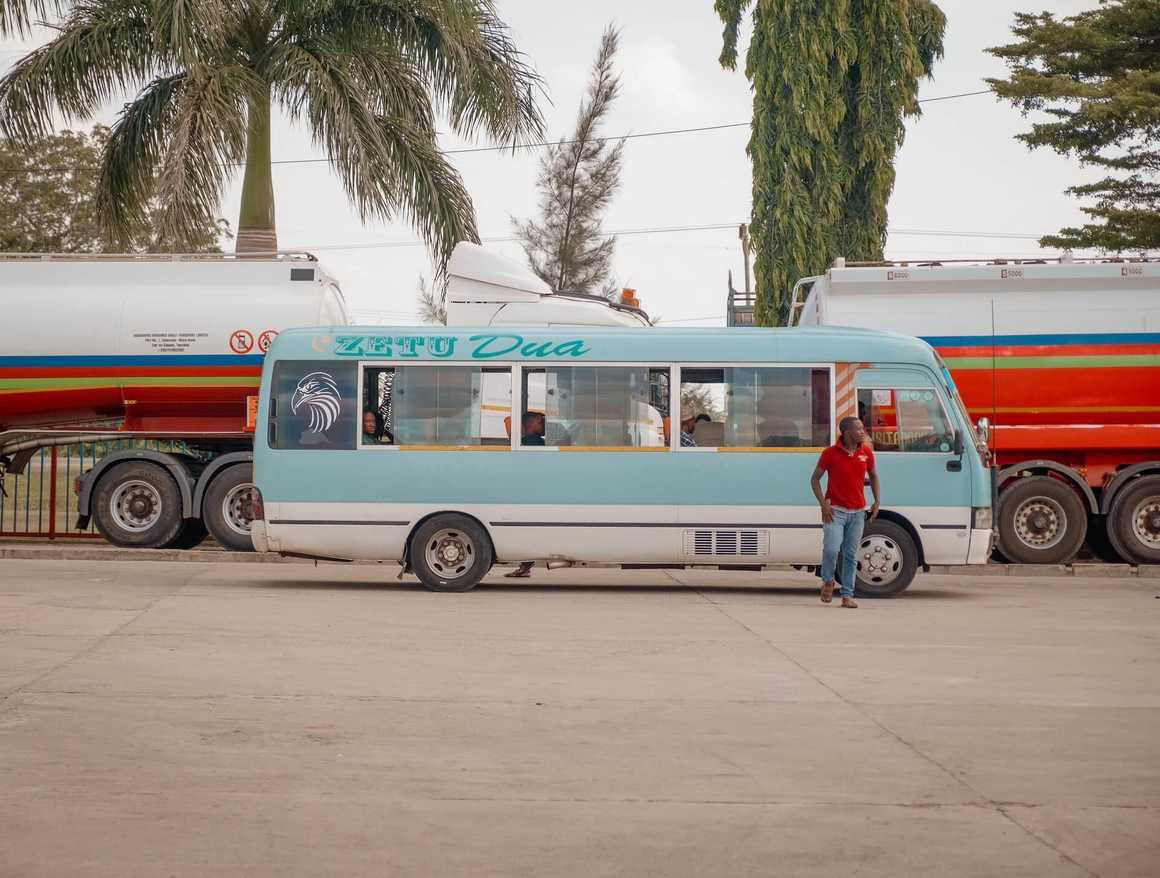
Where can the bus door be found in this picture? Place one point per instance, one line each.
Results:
(920, 456)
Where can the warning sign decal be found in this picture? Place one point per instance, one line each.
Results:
(241, 341)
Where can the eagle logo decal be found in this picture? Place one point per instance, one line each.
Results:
(318, 394)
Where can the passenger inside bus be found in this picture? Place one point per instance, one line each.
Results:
(532, 428)
(373, 431)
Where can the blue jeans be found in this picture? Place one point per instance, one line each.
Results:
(843, 534)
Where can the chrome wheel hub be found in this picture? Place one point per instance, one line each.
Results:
(135, 506)
(879, 560)
(1040, 523)
(450, 553)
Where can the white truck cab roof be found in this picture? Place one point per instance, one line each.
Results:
(486, 289)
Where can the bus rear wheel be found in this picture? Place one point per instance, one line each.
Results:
(450, 553)
(887, 560)
(1041, 521)
(1134, 522)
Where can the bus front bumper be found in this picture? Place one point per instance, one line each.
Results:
(982, 542)
(259, 536)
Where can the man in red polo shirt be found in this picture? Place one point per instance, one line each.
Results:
(846, 463)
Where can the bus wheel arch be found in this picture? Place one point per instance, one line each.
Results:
(1043, 512)
(449, 551)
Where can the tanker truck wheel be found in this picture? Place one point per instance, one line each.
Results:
(1134, 522)
(1041, 521)
(228, 507)
(138, 505)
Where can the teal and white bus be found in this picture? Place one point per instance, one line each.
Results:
(405, 444)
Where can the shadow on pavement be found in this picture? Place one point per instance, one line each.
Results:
(918, 594)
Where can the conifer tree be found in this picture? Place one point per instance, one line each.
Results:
(1097, 75)
(578, 178)
(833, 83)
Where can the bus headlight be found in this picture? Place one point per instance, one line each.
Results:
(981, 518)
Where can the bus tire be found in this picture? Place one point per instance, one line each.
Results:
(887, 560)
(1134, 521)
(138, 506)
(227, 510)
(1041, 521)
(450, 553)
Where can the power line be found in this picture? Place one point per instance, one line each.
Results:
(659, 230)
(537, 144)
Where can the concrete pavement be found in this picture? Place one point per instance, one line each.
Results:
(286, 719)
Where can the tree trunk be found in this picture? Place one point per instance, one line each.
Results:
(256, 232)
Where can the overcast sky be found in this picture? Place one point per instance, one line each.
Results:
(960, 170)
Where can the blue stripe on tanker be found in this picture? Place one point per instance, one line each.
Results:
(136, 360)
(1047, 338)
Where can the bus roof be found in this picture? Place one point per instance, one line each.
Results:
(601, 344)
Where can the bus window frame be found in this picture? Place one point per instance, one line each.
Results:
(518, 405)
(365, 365)
(831, 368)
(938, 395)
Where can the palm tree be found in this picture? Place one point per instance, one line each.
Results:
(368, 77)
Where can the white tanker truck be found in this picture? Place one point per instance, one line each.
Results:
(97, 347)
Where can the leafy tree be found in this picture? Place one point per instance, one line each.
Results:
(578, 178)
(47, 192)
(1097, 76)
(368, 77)
(833, 83)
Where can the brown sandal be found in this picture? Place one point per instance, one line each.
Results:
(827, 592)
(849, 603)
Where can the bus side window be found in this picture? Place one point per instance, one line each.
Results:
(315, 405)
(594, 406)
(905, 419)
(755, 407)
(441, 405)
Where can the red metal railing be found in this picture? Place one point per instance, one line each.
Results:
(41, 502)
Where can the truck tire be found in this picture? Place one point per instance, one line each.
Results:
(450, 553)
(227, 510)
(138, 506)
(1134, 521)
(887, 560)
(1041, 521)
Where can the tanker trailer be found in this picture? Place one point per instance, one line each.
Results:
(96, 347)
(1062, 359)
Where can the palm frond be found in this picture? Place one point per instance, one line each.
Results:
(133, 153)
(208, 139)
(462, 51)
(18, 16)
(104, 48)
(388, 164)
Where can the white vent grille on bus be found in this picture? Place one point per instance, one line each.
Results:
(727, 543)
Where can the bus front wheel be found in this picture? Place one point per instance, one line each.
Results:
(450, 553)
(887, 560)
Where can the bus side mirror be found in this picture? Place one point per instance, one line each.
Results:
(983, 425)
